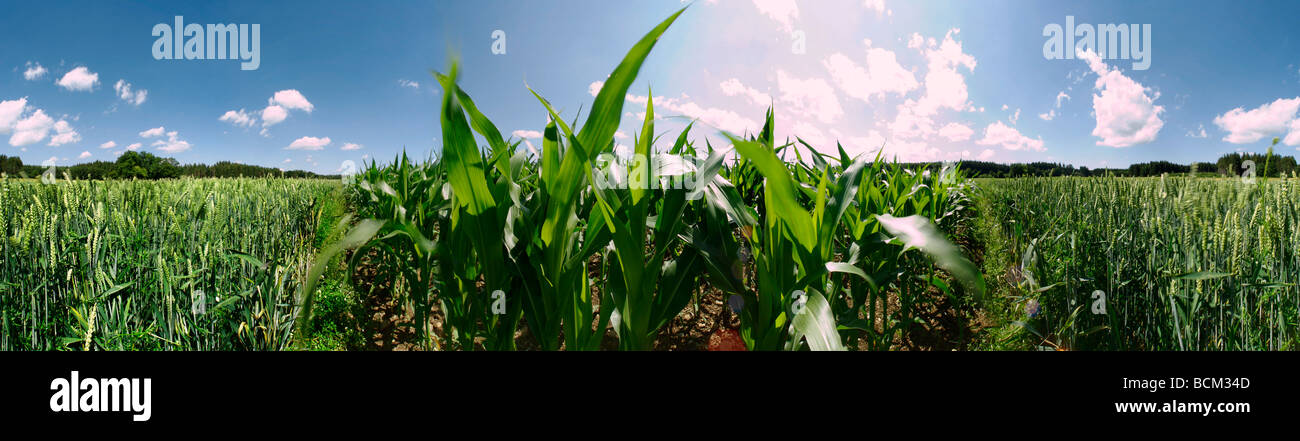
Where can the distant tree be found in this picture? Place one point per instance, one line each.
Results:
(11, 165)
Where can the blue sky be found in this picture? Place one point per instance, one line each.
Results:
(927, 79)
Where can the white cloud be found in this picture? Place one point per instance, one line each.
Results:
(813, 136)
(956, 132)
(79, 79)
(237, 117)
(1198, 133)
(273, 115)
(1015, 117)
(276, 110)
(720, 118)
(882, 75)
(911, 151)
(620, 135)
(908, 123)
(877, 5)
(1050, 115)
(1125, 114)
(594, 87)
(351, 146)
(108, 145)
(858, 145)
(124, 92)
(944, 86)
(1061, 96)
(1009, 138)
(309, 143)
(527, 134)
(10, 111)
(1293, 137)
(173, 143)
(986, 154)
(32, 129)
(154, 132)
(408, 83)
(133, 147)
(34, 71)
(783, 11)
(84, 155)
(915, 41)
(64, 134)
(733, 87)
(812, 97)
(292, 99)
(1270, 119)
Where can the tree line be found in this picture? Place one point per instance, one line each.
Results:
(144, 165)
(1232, 164)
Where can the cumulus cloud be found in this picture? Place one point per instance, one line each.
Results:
(733, 87)
(408, 83)
(135, 97)
(911, 151)
(134, 146)
(84, 155)
(64, 134)
(292, 99)
(153, 133)
(813, 136)
(34, 71)
(1009, 138)
(527, 134)
(351, 146)
(986, 155)
(594, 87)
(945, 87)
(108, 145)
(1126, 114)
(882, 74)
(309, 143)
(956, 132)
(32, 129)
(173, 143)
(909, 124)
(10, 111)
(1247, 126)
(79, 79)
(277, 109)
(720, 118)
(812, 97)
(29, 125)
(784, 12)
(237, 118)
(1293, 136)
(878, 6)
(1198, 133)
(273, 115)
